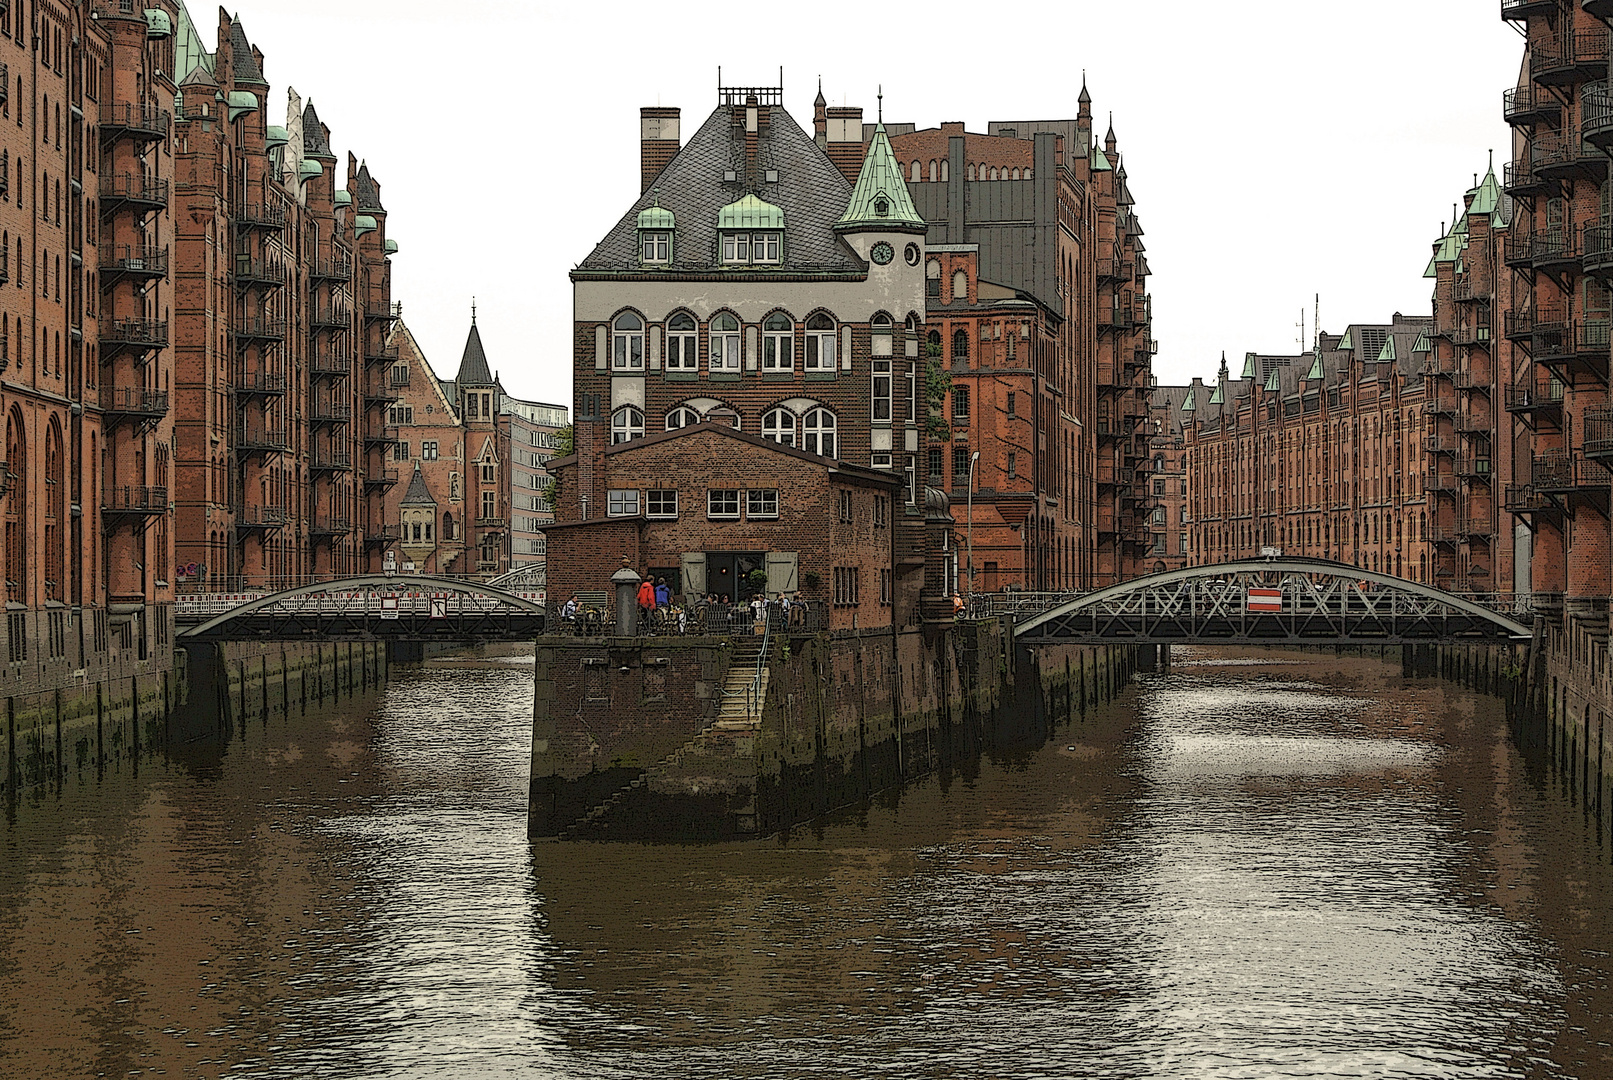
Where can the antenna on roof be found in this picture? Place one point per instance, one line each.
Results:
(881, 112)
(1301, 329)
(473, 311)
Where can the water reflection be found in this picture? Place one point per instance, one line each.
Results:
(1248, 869)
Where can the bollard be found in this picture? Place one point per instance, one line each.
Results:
(626, 582)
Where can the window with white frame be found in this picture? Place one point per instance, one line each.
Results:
(882, 347)
(681, 417)
(818, 432)
(661, 503)
(752, 247)
(656, 247)
(761, 503)
(428, 451)
(779, 426)
(627, 342)
(623, 503)
(626, 423)
(819, 352)
(722, 504)
(778, 343)
(682, 352)
(724, 342)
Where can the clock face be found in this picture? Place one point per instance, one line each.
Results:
(883, 253)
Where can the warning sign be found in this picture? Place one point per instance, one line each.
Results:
(1264, 600)
(439, 607)
(389, 607)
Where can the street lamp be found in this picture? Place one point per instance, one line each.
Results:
(969, 529)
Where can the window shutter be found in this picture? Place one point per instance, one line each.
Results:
(694, 573)
(781, 572)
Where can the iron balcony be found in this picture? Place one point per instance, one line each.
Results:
(380, 479)
(1529, 105)
(383, 535)
(1439, 405)
(264, 274)
(1601, 9)
(331, 318)
(125, 499)
(1524, 499)
(1473, 468)
(329, 527)
(142, 263)
(329, 362)
(379, 311)
(260, 216)
(1470, 423)
(249, 440)
(330, 412)
(140, 335)
(141, 194)
(1522, 9)
(374, 355)
(1468, 380)
(1577, 346)
(259, 329)
(1521, 181)
(134, 402)
(1439, 482)
(339, 269)
(1566, 155)
(1598, 250)
(1596, 115)
(386, 435)
(258, 383)
(141, 123)
(1556, 472)
(1573, 55)
(331, 461)
(1599, 432)
(258, 518)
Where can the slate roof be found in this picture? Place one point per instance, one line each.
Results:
(314, 142)
(810, 190)
(417, 494)
(365, 196)
(473, 369)
(242, 62)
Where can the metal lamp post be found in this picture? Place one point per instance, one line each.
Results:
(969, 527)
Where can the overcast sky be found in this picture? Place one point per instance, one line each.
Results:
(1276, 149)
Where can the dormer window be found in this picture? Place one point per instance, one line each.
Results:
(882, 207)
(655, 227)
(752, 247)
(656, 247)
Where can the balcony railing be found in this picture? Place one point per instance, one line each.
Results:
(375, 354)
(1469, 380)
(134, 401)
(1470, 423)
(1438, 481)
(258, 328)
(262, 273)
(330, 269)
(1519, 179)
(380, 310)
(382, 535)
(1438, 405)
(1535, 395)
(1470, 335)
(380, 396)
(1599, 432)
(143, 193)
(132, 334)
(381, 436)
(331, 461)
(1596, 114)
(1598, 249)
(380, 478)
(329, 527)
(1529, 105)
(1518, 325)
(1477, 468)
(1524, 499)
(1554, 471)
(127, 499)
(261, 216)
(329, 361)
(331, 318)
(331, 412)
(256, 518)
(1566, 154)
(261, 440)
(1522, 9)
(1576, 54)
(141, 122)
(1439, 444)
(125, 260)
(258, 383)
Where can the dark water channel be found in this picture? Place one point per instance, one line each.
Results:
(1251, 867)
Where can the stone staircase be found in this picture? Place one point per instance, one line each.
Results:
(738, 708)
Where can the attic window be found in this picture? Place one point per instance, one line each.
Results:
(770, 176)
(749, 247)
(882, 207)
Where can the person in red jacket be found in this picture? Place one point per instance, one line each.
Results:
(646, 602)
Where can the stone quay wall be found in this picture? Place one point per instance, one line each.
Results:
(627, 743)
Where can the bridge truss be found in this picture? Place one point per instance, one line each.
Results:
(1282, 601)
(373, 607)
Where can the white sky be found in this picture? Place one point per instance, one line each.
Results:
(1276, 148)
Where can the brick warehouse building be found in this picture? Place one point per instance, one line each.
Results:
(187, 305)
(1043, 218)
(1321, 454)
(1166, 478)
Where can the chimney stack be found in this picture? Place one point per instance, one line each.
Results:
(658, 141)
(845, 139)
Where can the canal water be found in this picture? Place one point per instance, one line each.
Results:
(1253, 866)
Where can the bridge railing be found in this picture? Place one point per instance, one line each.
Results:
(364, 601)
(708, 620)
(1024, 605)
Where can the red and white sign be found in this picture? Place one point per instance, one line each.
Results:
(1264, 600)
(389, 607)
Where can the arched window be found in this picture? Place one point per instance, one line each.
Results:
(944, 176)
(778, 343)
(1014, 175)
(55, 513)
(935, 171)
(932, 344)
(682, 352)
(914, 172)
(681, 417)
(960, 344)
(16, 522)
(969, 172)
(627, 342)
(724, 342)
(992, 175)
(447, 526)
(818, 433)
(626, 423)
(779, 426)
(960, 288)
(820, 343)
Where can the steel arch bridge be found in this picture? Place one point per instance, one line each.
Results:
(1279, 601)
(370, 607)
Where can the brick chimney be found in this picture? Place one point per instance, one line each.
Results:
(845, 139)
(658, 141)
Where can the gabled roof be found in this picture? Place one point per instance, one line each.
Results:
(811, 192)
(314, 142)
(880, 186)
(473, 369)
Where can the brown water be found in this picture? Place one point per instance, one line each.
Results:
(1248, 868)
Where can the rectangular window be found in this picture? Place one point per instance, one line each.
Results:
(489, 505)
(400, 374)
(960, 466)
(428, 451)
(845, 586)
(1159, 487)
(882, 390)
(400, 451)
(960, 403)
(1012, 405)
(661, 503)
(879, 460)
(820, 349)
(935, 465)
(681, 353)
(623, 503)
(778, 353)
(722, 504)
(881, 511)
(400, 414)
(657, 247)
(1013, 466)
(845, 506)
(885, 587)
(761, 504)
